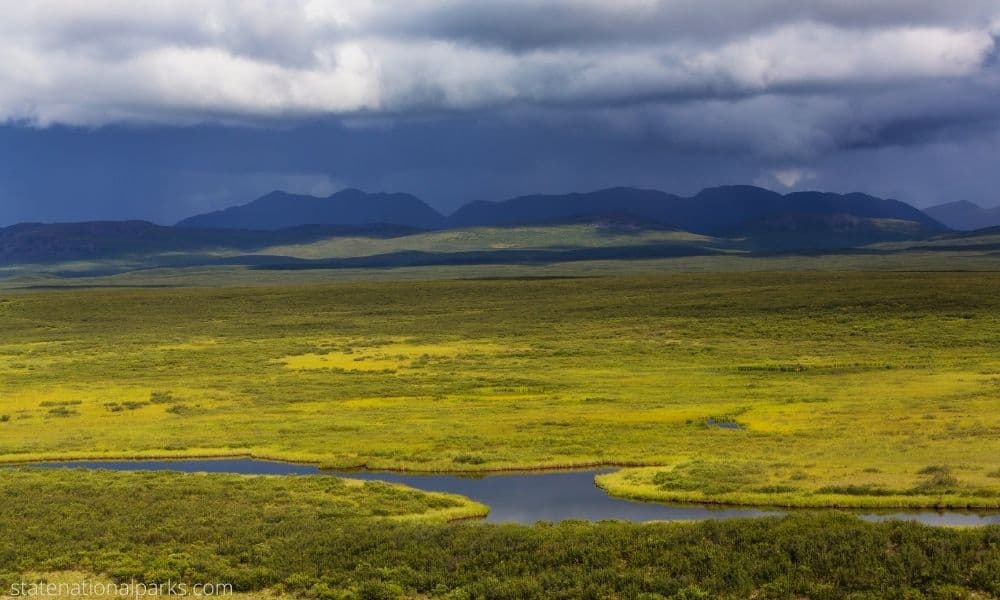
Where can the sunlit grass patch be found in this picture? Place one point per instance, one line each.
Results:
(197, 343)
(782, 484)
(387, 356)
(582, 235)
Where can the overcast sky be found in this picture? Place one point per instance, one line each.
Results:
(160, 109)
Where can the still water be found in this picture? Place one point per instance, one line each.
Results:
(521, 497)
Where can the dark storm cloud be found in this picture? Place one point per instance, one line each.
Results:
(162, 109)
(531, 24)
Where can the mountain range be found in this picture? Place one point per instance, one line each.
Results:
(747, 218)
(965, 216)
(727, 210)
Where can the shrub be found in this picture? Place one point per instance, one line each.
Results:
(161, 397)
(692, 592)
(938, 480)
(62, 411)
(379, 590)
(858, 490)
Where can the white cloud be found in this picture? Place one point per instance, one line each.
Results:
(165, 61)
(810, 55)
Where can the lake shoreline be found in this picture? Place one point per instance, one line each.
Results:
(531, 496)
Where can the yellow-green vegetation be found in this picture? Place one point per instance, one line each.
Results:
(789, 388)
(582, 235)
(128, 273)
(388, 356)
(322, 538)
(755, 482)
(271, 497)
(986, 240)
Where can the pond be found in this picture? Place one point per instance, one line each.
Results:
(522, 497)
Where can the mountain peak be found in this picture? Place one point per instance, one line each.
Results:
(279, 210)
(736, 188)
(351, 192)
(959, 204)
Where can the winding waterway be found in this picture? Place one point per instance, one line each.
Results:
(521, 497)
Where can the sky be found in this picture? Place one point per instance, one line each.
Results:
(115, 109)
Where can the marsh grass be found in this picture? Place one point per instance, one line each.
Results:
(831, 381)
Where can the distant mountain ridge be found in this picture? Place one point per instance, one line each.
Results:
(280, 210)
(725, 210)
(965, 216)
(756, 218)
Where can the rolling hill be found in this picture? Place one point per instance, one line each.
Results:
(38, 242)
(965, 216)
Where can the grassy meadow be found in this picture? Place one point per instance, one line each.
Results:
(523, 251)
(779, 388)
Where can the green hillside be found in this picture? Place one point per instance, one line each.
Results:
(581, 235)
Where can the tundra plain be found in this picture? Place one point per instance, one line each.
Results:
(772, 388)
